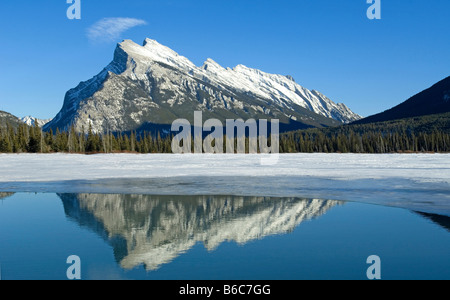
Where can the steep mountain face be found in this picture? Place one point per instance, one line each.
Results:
(29, 120)
(154, 230)
(152, 85)
(7, 118)
(434, 100)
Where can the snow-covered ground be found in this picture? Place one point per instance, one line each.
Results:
(415, 181)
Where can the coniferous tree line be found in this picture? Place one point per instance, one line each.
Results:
(429, 133)
(26, 139)
(369, 142)
(386, 137)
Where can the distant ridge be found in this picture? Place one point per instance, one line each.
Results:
(29, 120)
(434, 100)
(7, 118)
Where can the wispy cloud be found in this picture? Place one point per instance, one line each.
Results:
(110, 29)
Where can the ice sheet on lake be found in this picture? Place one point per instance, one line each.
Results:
(415, 181)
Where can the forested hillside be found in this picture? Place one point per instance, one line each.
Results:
(429, 133)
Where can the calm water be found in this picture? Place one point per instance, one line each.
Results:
(216, 237)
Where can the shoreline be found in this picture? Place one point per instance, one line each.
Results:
(415, 181)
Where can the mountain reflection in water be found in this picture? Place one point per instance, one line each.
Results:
(153, 230)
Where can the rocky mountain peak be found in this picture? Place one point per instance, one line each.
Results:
(153, 84)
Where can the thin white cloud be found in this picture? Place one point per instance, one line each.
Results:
(110, 29)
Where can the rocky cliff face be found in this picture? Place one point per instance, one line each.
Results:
(152, 85)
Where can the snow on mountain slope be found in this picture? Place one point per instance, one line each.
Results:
(281, 89)
(154, 84)
(29, 120)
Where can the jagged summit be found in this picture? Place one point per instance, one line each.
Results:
(30, 121)
(211, 65)
(152, 51)
(152, 84)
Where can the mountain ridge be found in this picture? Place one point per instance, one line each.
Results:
(30, 120)
(153, 84)
(433, 100)
(7, 118)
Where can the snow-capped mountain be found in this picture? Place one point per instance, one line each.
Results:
(29, 120)
(152, 84)
(154, 230)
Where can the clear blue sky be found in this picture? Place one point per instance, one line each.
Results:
(327, 45)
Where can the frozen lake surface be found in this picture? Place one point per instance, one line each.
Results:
(419, 182)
